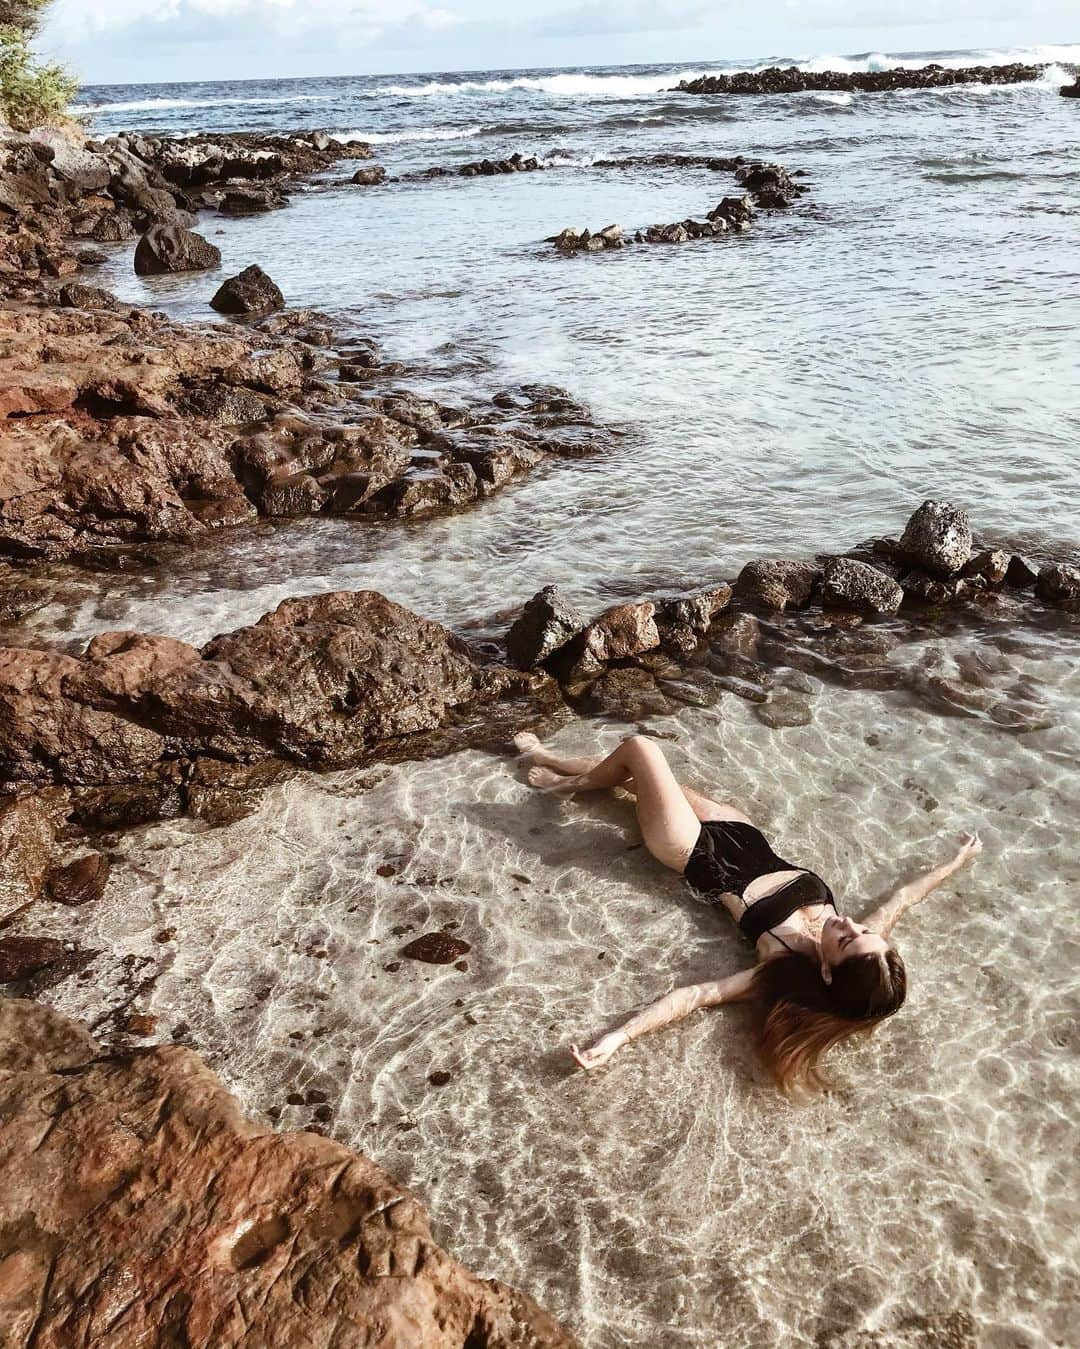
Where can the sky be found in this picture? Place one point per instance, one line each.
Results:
(147, 41)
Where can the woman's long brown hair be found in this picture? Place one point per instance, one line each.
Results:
(803, 1017)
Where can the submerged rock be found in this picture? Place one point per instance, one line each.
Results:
(938, 538)
(21, 957)
(171, 248)
(1058, 583)
(369, 177)
(251, 292)
(239, 1236)
(80, 882)
(436, 948)
(26, 853)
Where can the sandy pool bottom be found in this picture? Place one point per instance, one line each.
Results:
(672, 1199)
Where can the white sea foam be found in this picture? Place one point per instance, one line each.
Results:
(167, 104)
(419, 133)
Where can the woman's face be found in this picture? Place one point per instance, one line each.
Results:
(842, 937)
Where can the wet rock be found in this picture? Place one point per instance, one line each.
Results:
(170, 248)
(920, 585)
(1070, 90)
(695, 612)
(778, 584)
(140, 1023)
(80, 882)
(737, 212)
(440, 1077)
(369, 177)
(436, 948)
(794, 80)
(938, 538)
(546, 623)
(627, 694)
(21, 957)
(250, 293)
(219, 792)
(1058, 583)
(991, 564)
(248, 200)
(784, 708)
(1020, 574)
(241, 1234)
(620, 632)
(27, 836)
(736, 635)
(77, 296)
(858, 585)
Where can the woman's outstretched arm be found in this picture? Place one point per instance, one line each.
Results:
(884, 918)
(676, 1005)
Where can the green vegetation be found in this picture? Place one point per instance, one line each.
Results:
(31, 93)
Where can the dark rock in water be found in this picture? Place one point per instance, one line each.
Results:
(1021, 574)
(252, 201)
(992, 565)
(1071, 90)
(695, 612)
(737, 635)
(440, 1077)
(369, 177)
(1058, 583)
(793, 80)
(777, 583)
(219, 792)
(169, 248)
(628, 694)
(545, 625)
(436, 948)
(857, 585)
(21, 957)
(920, 585)
(251, 292)
(784, 708)
(79, 882)
(737, 211)
(140, 1167)
(77, 296)
(938, 538)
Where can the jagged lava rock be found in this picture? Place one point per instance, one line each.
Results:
(171, 248)
(938, 537)
(544, 626)
(777, 583)
(149, 1211)
(857, 585)
(250, 292)
(1058, 583)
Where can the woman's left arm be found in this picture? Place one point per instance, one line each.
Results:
(884, 918)
(674, 1007)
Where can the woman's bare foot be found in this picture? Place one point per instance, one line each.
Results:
(547, 780)
(527, 744)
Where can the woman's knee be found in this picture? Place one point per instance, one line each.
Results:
(643, 748)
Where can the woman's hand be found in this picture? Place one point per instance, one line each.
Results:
(970, 848)
(600, 1052)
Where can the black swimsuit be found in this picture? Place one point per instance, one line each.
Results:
(729, 855)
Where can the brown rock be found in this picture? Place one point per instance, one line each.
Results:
(249, 293)
(696, 611)
(20, 957)
(628, 694)
(26, 845)
(938, 538)
(140, 1023)
(1058, 583)
(992, 564)
(369, 177)
(777, 584)
(79, 882)
(544, 626)
(623, 631)
(436, 948)
(784, 708)
(1021, 573)
(240, 1236)
(171, 248)
(858, 585)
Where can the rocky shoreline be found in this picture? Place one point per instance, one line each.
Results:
(792, 80)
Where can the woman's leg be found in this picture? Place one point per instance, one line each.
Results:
(530, 747)
(668, 823)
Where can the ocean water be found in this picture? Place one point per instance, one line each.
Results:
(907, 330)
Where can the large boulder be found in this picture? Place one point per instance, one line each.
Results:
(320, 681)
(620, 632)
(777, 583)
(857, 585)
(71, 161)
(146, 1210)
(544, 626)
(171, 248)
(938, 538)
(249, 293)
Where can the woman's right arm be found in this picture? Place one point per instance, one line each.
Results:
(884, 918)
(674, 1007)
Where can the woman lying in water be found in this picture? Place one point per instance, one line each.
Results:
(819, 977)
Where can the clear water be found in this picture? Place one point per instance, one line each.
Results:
(909, 330)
